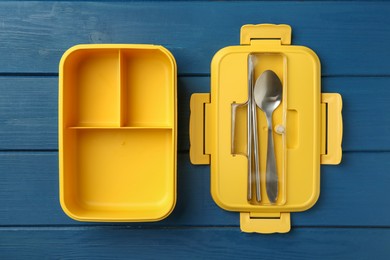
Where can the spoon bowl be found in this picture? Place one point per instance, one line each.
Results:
(268, 91)
(268, 95)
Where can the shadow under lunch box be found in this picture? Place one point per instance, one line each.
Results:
(118, 128)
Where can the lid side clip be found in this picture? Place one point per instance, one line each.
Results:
(332, 128)
(198, 153)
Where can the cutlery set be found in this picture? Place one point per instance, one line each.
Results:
(264, 93)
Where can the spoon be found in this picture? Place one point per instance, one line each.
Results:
(268, 95)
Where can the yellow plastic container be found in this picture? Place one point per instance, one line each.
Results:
(309, 123)
(117, 132)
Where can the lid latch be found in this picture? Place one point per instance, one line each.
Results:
(331, 128)
(265, 223)
(198, 154)
(250, 32)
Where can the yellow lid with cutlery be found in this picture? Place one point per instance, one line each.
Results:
(117, 132)
(265, 128)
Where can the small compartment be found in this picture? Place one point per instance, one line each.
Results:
(91, 80)
(147, 76)
(119, 174)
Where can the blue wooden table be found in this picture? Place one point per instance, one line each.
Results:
(352, 217)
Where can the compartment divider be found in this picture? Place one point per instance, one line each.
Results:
(123, 89)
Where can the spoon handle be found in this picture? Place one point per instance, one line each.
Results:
(271, 171)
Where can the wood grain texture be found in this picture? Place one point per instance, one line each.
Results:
(28, 111)
(350, 38)
(351, 220)
(201, 243)
(352, 194)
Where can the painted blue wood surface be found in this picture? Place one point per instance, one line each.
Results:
(351, 38)
(352, 217)
(199, 243)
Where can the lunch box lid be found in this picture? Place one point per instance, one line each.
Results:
(312, 127)
(117, 132)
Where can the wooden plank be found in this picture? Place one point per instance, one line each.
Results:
(28, 111)
(198, 243)
(348, 40)
(365, 112)
(352, 194)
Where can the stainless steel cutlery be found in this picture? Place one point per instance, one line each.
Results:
(266, 94)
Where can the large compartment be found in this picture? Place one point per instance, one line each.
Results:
(104, 176)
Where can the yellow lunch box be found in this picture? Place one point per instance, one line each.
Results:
(117, 132)
(118, 128)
